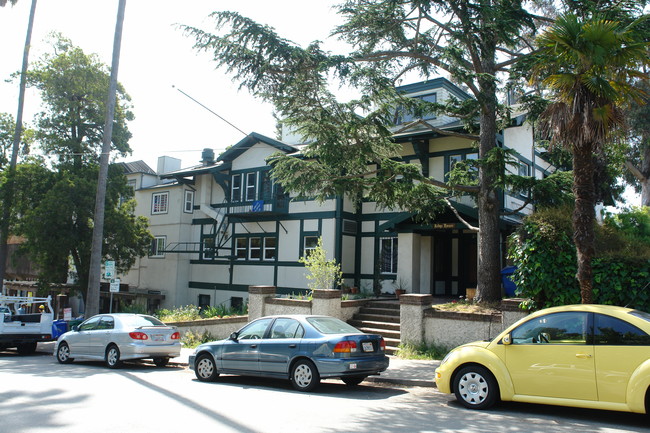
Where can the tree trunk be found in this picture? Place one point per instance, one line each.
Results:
(584, 218)
(9, 187)
(94, 273)
(645, 170)
(489, 247)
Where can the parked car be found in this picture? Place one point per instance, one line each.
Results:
(114, 338)
(590, 356)
(300, 348)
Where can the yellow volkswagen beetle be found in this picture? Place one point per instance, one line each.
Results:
(589, 356)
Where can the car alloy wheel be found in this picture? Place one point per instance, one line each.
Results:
(205, 368)
(304, 375)
(63, 354)
(475, 387)
(113, 357)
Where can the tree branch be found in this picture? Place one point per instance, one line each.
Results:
(460, 218)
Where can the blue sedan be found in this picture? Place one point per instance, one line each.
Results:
(300, 348)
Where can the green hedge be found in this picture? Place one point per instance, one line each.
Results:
(544, 253)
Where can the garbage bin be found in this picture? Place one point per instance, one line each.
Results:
(506, 280)
(59, 327)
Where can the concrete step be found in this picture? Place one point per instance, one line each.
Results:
(376, 318)
(386, 333)
(393, 305)
(375, 324)
(379, 311)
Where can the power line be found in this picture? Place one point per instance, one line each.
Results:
(209, 110)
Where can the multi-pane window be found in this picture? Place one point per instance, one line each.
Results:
(160, 203)
(524, 169)
(241, 248)
(266, 189)
(388, 255)
(235, 193)
(251, 180)
(270, 247)
(188, 203)
(309, 243)
(256, 248)
(405, 116)
(158, 246)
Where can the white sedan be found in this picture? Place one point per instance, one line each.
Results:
(114, 338)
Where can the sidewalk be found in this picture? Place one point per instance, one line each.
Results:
(407, 372)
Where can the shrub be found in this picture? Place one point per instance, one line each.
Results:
(544, 253)
(323, 274)
(179, 314)
(193, 339)
(421, 351)
(220, 311)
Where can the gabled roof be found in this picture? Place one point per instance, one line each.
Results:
(249, 141)
(136, 167)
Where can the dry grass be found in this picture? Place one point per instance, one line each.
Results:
(469, 307)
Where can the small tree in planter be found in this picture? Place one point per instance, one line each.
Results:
(323, 274)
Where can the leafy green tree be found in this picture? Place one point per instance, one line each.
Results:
(391, 39)
(588, 66)
(58, 227)
(323, 274)
(638, 162)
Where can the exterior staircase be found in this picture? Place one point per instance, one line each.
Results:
(380, 317)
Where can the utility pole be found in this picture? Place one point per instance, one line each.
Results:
(94, 277)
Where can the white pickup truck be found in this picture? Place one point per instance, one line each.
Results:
(24, 330)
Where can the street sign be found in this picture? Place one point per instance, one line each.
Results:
(115, 285)
(109, 269)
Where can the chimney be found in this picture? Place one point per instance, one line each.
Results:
(207, 156)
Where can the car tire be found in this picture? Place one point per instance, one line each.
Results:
(113, 357)
(304, 375)
(353, 380)
(205, 368)
(63, 354)
(475, 387)
(26, 348)
(161, 362)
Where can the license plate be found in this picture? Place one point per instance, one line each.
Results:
(367, 346)
(158, 337)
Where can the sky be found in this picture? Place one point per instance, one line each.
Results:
(155, 56)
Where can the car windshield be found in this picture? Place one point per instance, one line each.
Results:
(331, 325)
(139, 321)
(4, 310)
(641, 314)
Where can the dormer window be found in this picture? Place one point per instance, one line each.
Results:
(404, 117)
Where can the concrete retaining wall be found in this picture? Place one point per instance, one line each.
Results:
(218, 328)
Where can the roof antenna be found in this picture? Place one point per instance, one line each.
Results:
(209, 110)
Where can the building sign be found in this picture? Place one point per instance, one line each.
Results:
(444, 226)
(109, 269)
(258, 206)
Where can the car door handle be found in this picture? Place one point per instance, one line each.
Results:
(583, 355)
(253, 346)
(292, 346)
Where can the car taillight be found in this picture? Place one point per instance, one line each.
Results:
(345, 347)
(382, 345)
(138, 335)
(176, 336)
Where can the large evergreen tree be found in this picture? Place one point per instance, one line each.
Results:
(473, 41)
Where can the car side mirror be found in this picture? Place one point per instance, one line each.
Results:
(506, 340)
(233, 336)
(75, 328)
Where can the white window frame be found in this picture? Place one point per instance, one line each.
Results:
(156, 244)
(236, 188)
(393, 255)
(241, 244)
(160, 203)
(257, 249)
(267, 248)
(188, 202)
(251, 184)
(306, 249)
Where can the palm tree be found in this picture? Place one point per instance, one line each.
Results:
(588, 67)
